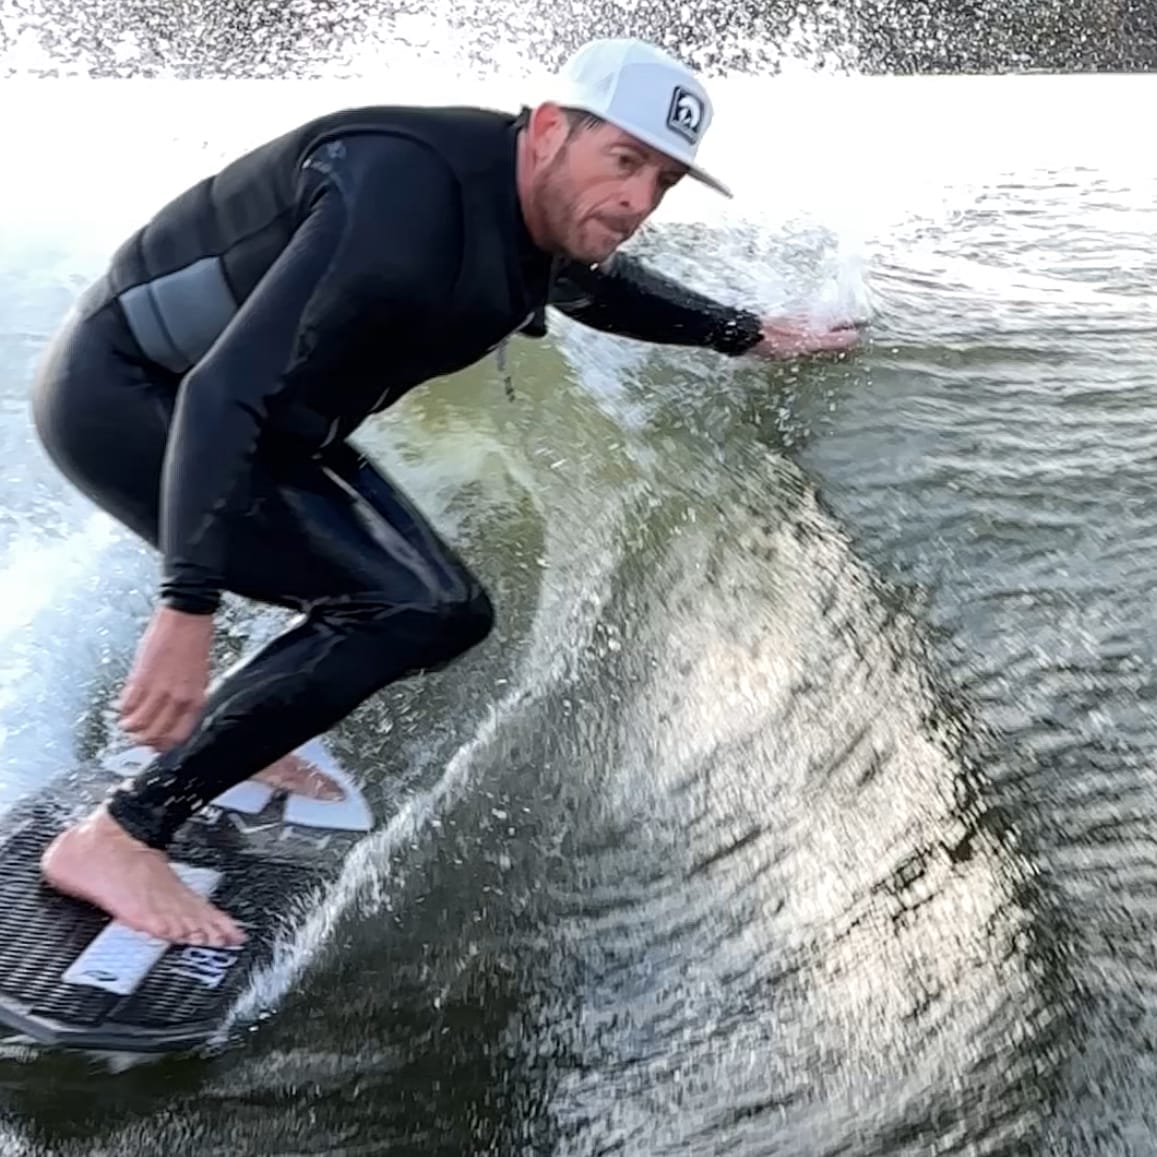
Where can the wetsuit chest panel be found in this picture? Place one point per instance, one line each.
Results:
(183, 278)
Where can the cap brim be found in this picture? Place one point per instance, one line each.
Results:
(695, 171)
(710, 181)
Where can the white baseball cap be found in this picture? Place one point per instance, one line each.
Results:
(645, 92)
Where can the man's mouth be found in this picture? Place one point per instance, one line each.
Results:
(620, 229)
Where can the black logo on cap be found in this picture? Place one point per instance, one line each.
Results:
(685, 116)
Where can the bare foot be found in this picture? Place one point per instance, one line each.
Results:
(300, 777)
(98, 861)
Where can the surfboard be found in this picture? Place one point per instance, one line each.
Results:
(73, 978)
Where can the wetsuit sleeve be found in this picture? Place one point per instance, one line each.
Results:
(377, 252)
(624, 296)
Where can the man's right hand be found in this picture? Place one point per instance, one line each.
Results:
(787, 337)
(165, 691)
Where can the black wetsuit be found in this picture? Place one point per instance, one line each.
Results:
(203, 390)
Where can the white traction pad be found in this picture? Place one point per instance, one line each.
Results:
(120, 957)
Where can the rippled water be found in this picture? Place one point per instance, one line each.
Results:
(802, 803)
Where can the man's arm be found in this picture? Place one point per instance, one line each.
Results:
(378, 248)
(623, 296)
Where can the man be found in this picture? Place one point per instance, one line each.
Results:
(203, 390)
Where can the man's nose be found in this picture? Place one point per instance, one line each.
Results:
(640, 194)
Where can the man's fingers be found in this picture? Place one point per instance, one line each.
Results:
(164, 724)
(130, 697)
(140, 717)
(178, 727)
(162, 720)
(833, 340)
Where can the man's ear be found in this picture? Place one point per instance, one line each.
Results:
(547, 131)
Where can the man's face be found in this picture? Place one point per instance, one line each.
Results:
(595, 185)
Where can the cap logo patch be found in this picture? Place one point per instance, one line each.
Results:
(685, 114)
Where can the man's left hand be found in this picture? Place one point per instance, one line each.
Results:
(785, 337)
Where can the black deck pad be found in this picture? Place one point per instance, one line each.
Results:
(69, 976)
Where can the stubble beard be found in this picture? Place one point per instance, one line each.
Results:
(558, 204)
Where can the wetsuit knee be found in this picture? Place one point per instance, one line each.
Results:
(472, 619)
(406, 637)
(455, 625)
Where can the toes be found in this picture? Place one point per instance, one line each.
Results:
(228, 930)
(215, 936)
(206, 928)
(195, 928)
(147, 923)
(164, 928)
